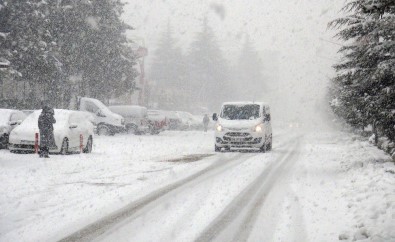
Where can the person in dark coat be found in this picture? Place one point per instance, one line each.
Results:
(45, 125)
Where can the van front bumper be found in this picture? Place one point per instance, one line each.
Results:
(239, 139)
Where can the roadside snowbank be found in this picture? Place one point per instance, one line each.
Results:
(346, 185)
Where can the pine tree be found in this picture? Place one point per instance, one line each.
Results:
(32, 53)
(50, 44)
(365, 83)
(5, 68)
(250, 82)
(94, 47)
(208, 70)
(168, 71)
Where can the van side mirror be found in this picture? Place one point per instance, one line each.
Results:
(215, 117)
(266, 118)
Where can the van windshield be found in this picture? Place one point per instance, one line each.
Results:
(240, 112)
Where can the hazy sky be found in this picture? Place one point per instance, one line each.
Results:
(297, 29)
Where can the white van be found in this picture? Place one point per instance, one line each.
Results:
(108, 123)
(243, 125)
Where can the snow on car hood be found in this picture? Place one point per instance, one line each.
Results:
(238, 124)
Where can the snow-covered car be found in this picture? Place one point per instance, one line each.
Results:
(135, 117)
(70, 128)
(174, 120)
(243, 125)
(106, 121)
(187, 120)
(9, 119)
(157, 121)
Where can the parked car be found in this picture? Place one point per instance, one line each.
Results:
(157, 121)
(135, 117)
(9, 119)
(174, 120)
(67, 130)
(189, 121)
(107, 122)
(243, 125)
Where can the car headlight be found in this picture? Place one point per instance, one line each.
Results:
(258, 128)
(219, 128)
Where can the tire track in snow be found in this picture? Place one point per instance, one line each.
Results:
(99, 227)
(247, 204)
(136, 208)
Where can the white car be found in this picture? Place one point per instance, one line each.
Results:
(243, 125)
(9, 119)
(69, 128)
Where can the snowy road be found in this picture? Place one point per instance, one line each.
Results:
(173, 187)
(240, 180)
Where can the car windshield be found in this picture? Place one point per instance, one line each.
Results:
(240, 112)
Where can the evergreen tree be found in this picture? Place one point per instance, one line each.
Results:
(364, 88)
(51, 44)
(166, 60)
(5, 69)
(208, 70)
(32, 53)
(168, 71)
(250, 82)
(94, 47)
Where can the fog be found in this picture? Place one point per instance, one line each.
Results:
(291, 37)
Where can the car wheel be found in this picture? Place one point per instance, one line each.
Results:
(4, 141)
(227, 149)
(89, 144)
(103, 130)
(132, 129)
(217, 149)
(65, 147)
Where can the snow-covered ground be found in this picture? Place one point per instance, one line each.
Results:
(322, 186)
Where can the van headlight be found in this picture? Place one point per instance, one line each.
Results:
(258, 128)
(219, 127)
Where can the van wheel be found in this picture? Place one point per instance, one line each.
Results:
(88, 148)
(103, 130)
(263, 147)
(65, 147)
(269, 145)
(217, 149)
